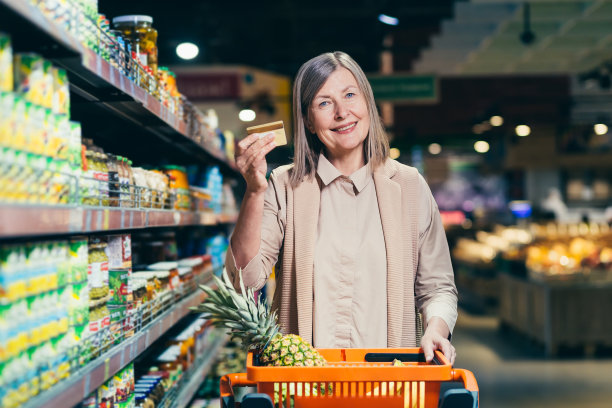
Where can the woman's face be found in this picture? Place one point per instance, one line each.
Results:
(339, 115)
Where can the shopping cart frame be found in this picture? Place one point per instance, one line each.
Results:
(356, 378)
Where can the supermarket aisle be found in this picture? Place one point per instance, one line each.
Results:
(513, 373)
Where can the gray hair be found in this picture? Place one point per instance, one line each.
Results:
(308, 81)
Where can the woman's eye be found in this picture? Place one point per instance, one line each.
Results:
(350, 95)
(324, 104)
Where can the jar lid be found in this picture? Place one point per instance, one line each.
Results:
(133, 19)
(163, 266)
(175, 167)
(190, 262)
(184, 271)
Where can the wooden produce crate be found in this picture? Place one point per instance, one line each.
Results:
(558, 314)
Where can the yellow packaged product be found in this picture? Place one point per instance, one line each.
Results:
(47, 85)
(29, 76)
(7, 123)
(58, 144)
(61, 95)
(6, 63)
(35, 131)
(19, 118)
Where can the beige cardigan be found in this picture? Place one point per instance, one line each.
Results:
(396, 188)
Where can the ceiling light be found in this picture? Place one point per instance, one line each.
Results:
(187, 50)
(385, 19)
(481, 146)
(496, 120)
(600, 129)
(522, 130)
(434, 148)
(394, 153)
(247, 115)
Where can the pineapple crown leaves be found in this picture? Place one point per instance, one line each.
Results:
(251, 321)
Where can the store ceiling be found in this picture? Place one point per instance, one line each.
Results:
(473, 45)
(488, 37)
(281, 35)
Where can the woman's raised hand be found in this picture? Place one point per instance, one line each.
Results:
(251, 160)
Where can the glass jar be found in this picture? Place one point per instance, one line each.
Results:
(142, 36)
(103, 178)
(113, 180)
(97, 270)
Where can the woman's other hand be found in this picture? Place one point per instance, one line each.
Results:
(436, 338)
(251, 160)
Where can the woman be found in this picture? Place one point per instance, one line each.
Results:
(355, 236)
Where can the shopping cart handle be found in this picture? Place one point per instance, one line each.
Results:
(225, 387)
(404, 357)
(466, 377)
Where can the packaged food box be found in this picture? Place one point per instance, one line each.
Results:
(117, 320)
(119, 251)
(6, 63)
(61, 94)
(28, 76)
(120, 287)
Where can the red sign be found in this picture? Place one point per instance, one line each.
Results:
(209, 86)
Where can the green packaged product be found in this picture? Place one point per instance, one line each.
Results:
(74, 144)
(78, 259)
(28, 76)
(117, 320)
(119, 285)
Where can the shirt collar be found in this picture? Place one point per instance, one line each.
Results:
(328, 173)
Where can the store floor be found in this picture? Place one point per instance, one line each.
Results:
(513, 373)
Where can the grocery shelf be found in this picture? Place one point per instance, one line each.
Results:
(194, 377)
(27, 18)
(38, 220)
(80, 384)
(102, 87)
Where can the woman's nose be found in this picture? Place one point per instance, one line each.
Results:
(341, 111)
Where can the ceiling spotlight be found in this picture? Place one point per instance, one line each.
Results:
(522, 130)
(394, 153)
(187, 50)
(247, 115)
(434, 148)
(600, 129)
(496, 120)
(385, 19)
(481, 146)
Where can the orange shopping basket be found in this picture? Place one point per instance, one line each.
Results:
(356, 378)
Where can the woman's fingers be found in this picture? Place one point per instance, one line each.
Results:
(251, 140)
(261, 154)
(253, 152)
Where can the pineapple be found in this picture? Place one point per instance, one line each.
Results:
(255, 325)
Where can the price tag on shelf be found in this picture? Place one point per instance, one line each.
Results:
(106, 221)
(88, 215)
(122, 223)
(98, 65)
(177, 217)
(131, 219)
(111, 75)
(99, 219)
(106, 368)
(86, 385)
(75, 220)
(122, 83)
(122, 358)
